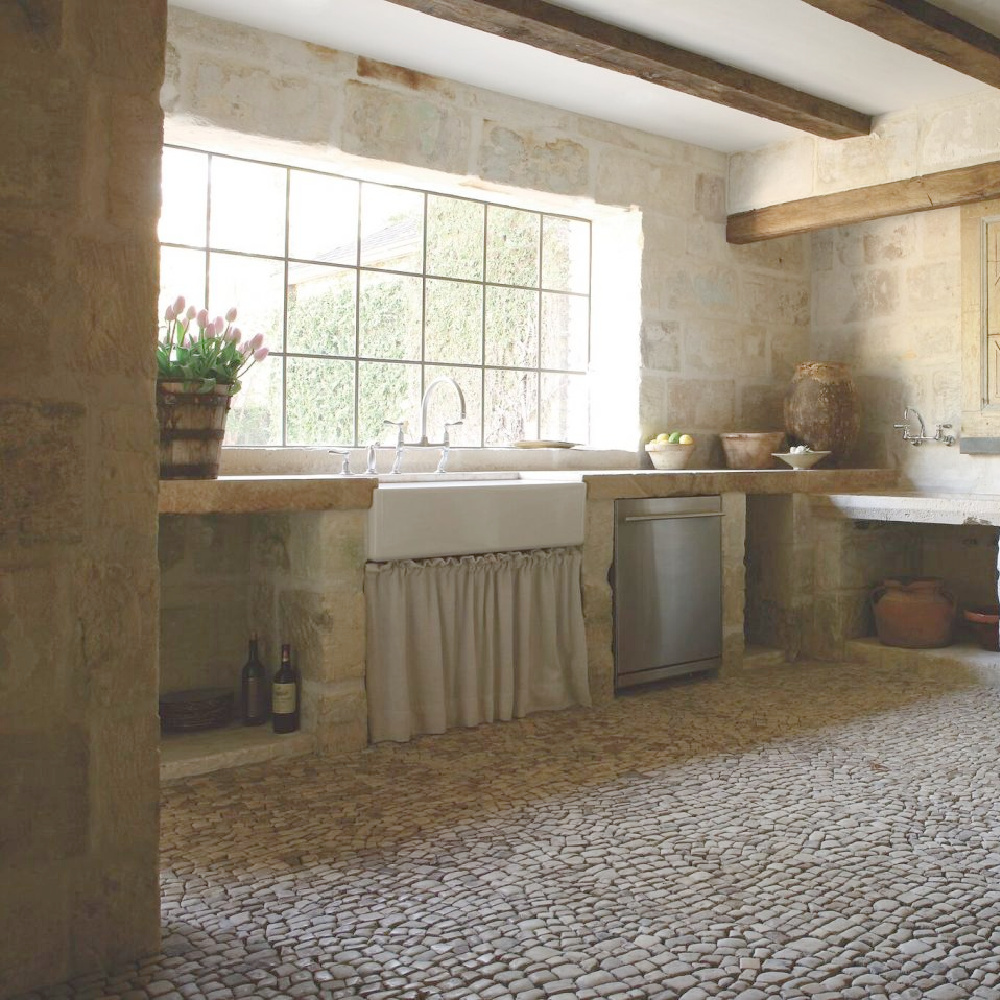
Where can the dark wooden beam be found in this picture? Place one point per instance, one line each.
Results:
(927, 30)
(568, 33)
(962, 186)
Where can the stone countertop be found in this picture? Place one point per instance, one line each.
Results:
(624, 485)
(262, 494)
(265, 494)
(912, 507)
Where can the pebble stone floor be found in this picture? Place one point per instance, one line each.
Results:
(796, 831)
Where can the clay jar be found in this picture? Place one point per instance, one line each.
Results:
(821, 408)
(915, 613)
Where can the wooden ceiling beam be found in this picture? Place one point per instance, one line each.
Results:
(944, 189)
(925, 29)
(568, 33)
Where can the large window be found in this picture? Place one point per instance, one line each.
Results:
(367, 292)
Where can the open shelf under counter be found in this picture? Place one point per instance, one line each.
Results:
(183, 755)
(963, 660)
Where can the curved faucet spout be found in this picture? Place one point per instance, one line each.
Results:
(425, 403)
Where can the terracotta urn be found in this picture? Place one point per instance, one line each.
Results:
(916, 613)
(821, 408)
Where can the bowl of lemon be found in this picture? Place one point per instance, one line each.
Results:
(670, 451)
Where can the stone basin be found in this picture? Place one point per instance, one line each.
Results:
(425, 515)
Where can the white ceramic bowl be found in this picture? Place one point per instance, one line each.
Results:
(801, 460)
(670, 457)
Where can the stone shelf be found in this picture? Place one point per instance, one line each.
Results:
(257, 494)
(912, 508)
(185, 754)
(963, 660)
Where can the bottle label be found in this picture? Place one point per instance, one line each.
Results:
(282, 699)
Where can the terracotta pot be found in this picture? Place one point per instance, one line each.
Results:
(915, 613)
(752, 449)
(192, 425)
(985, 623)
(821, 408)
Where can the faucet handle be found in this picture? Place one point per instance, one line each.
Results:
(345, 468)
(371, 456)
(447, 436)
(399, 425)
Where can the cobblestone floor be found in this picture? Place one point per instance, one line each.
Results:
(804, 831)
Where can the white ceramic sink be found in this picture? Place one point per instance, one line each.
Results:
(432, 515)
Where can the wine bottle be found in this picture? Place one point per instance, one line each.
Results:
(285, 695)
(253, 688)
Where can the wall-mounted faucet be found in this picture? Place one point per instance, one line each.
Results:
(425, 403)
(918, 439)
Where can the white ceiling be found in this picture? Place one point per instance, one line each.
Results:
(785, 40)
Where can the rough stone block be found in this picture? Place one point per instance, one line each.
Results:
(889, 153)
(761, 406)
(410, 79)
(42, 457)
(889, 240)
(701, 403)
(133, 180)
(710, 197)
(771, 175)
(962, 133)
(118, 286)
(717, 346)
(328, 546)
(776, 301)
(935, 285)
(45, 789)
(46, 114)
(625, 177)
(327, 632)
(788, 254)
(381, 124)
(35, 925)
(252, 100)
(533, 158)
(125, 48)
(338, 715)
(661, 345)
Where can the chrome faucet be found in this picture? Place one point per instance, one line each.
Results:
(425, 402)
(918, 439)
(371, 455)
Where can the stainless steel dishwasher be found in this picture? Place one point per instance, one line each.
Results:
(667, 582)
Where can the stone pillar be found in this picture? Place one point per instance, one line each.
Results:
(734, 532)
(79, 200)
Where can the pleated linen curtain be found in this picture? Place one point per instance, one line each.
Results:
(468, 639)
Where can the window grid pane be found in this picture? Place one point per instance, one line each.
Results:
(362, 314)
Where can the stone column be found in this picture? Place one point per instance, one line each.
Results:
(79, 200)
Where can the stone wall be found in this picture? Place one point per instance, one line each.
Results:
(887, 298)
(943, 135)
(294, 578)
(79, 200)
(688, 332)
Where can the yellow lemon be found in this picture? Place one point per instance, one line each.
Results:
(685, 439)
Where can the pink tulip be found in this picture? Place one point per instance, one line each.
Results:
(257, 342)
(179, 304)
(231, 315)
(184, 323)
(169, 314)
(233, 334)
(188, 340)
(260, 354)
(191, 312)
(220, 325)
(202, 318)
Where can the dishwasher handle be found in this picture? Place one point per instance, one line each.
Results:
(667, 517)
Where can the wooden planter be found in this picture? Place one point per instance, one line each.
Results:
(192, 425)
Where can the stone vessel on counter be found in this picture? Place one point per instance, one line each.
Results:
(821, 408)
